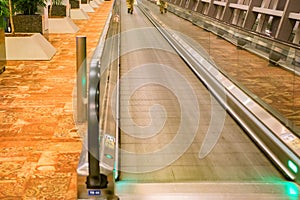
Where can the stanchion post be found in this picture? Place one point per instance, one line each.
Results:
(81, 80)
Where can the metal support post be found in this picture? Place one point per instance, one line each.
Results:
(81, 78)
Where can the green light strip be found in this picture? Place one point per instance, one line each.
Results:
(108, 156)
(293, 166)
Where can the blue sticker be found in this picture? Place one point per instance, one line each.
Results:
(94, 192)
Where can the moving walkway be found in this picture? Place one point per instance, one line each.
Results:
(164, 122)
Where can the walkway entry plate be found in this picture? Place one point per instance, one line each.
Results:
(106, 168)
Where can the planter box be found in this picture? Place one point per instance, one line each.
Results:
(58, 11)
(24, 46)
(28, 24)
(74, 4)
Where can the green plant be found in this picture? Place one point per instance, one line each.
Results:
(56, 2)
(28, 7)
(4, 12)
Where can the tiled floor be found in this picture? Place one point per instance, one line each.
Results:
(39, 141)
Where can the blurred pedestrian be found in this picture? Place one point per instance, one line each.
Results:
(163, 6)
(130, 6)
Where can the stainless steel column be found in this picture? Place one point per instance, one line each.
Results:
(81, 78)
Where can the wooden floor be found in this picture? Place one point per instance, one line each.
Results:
(39, 142)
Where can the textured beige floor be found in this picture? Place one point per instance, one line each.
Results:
(39, 142)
